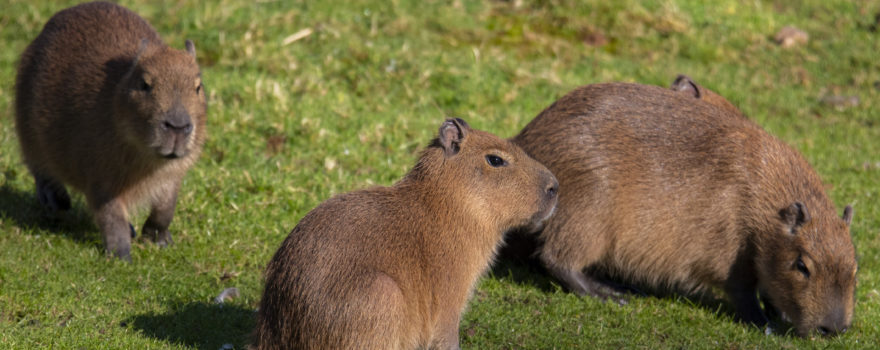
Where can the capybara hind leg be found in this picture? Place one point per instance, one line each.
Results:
(156, 226)
(113, 222)
(582, 284)
(51, 193)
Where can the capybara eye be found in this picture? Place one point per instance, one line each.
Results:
(802, 267)
(495, 161)
(198, 88)
(145, 86)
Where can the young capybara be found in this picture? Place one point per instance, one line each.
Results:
(686, 85)
(104, 106)
(393, 267)
(667, 193)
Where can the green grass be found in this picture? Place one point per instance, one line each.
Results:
(350, 106)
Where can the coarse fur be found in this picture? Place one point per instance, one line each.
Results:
(104, 106)
(661, 191)
(393, 267)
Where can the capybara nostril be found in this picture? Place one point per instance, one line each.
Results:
(553, 189)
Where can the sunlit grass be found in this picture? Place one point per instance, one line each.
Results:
(349, 104)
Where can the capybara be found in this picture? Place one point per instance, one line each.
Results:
(686, 85)
(393, 267)
(104, 106)
(662, 192)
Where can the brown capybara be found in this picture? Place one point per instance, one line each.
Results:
(104, 106)
(393, 267)
(662, 192)
(686, 85)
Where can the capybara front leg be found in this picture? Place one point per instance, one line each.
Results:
(583, 284)
(449, 333)
(113, 222)
(162, 211)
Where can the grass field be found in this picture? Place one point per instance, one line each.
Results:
(349, 105)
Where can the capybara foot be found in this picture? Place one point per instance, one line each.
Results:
(582, 284)
(162, 237)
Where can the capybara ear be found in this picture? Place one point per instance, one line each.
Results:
(191, 48)
(452, 133)
(795, 216)
(683, 83)
(847, 215)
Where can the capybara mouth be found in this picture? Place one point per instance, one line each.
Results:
(539, 220)
(173, 147)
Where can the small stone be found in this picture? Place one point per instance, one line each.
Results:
(226, 294)
(840, 101)
(790, 36)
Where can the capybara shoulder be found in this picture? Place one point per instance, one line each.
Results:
(105, 106)
(665, 192)
(393, 267)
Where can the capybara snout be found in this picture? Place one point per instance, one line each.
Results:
(505, 173)
(165, 88)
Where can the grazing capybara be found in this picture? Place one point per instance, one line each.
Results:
(686, 85)
(104, 106)
(393, 267)
(666, 193)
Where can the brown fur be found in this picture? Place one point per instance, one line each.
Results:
(665, 192)
(393, 267)
(104, 106)
(686, 85)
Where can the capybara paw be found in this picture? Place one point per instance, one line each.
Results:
(607, 294)
(160, 237)
(122, 253)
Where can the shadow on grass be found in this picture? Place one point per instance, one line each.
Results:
(517, 263)
(199, 324)
(25, 211)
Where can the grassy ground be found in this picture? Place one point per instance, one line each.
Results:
(350, 104)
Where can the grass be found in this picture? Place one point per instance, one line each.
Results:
(350, 105)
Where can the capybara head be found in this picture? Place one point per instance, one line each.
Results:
(161, 101)
(808, 270)
(501, 182)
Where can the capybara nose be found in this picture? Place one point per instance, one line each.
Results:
(834, 323)
(180, 127)
(830, 331)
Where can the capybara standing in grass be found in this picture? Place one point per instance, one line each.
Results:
(664, 192)
(393, 267)
(104, 106)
